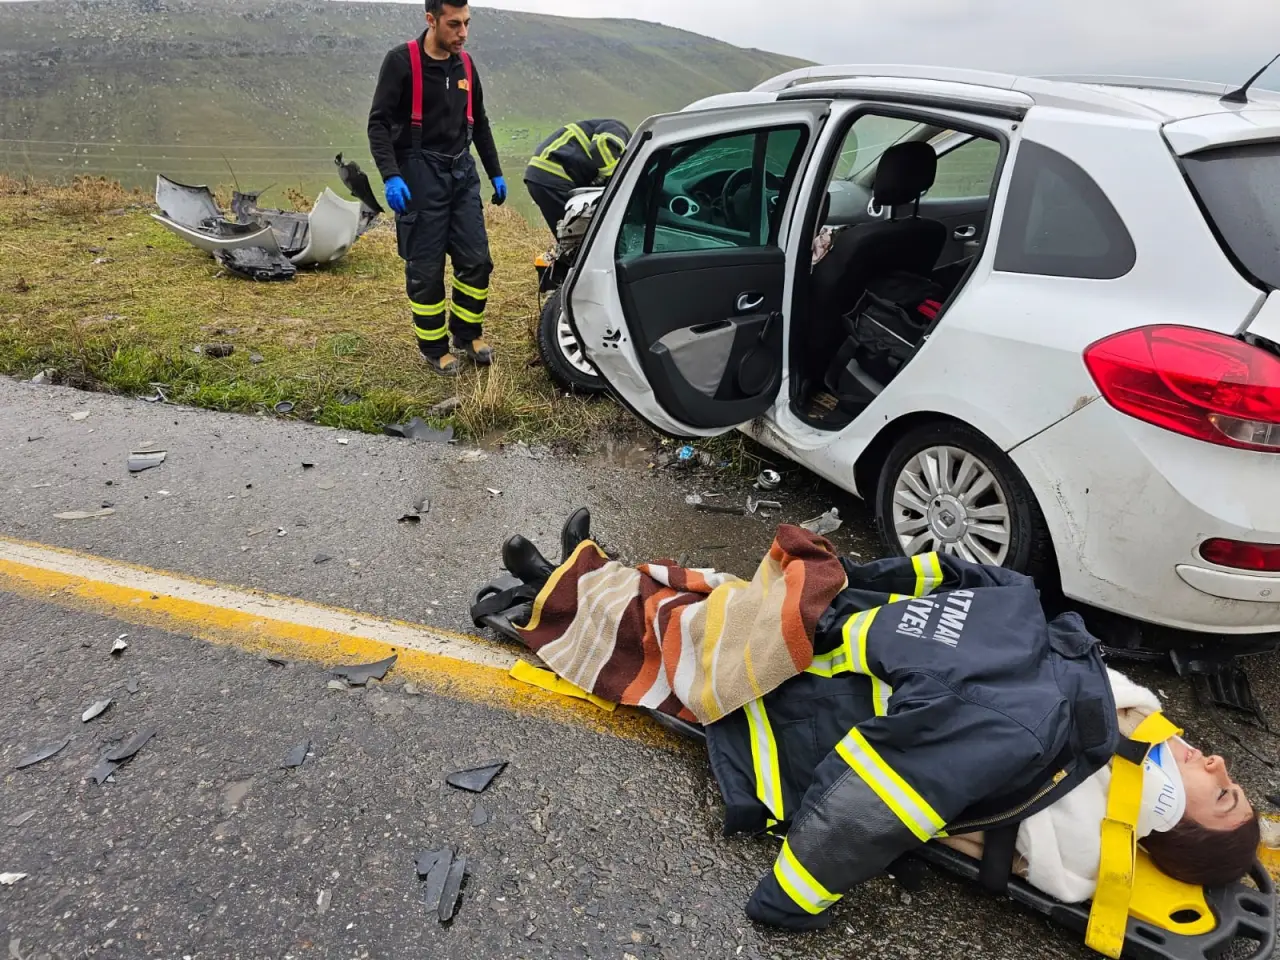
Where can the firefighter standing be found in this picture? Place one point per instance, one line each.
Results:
(427, 110)
(581, 154)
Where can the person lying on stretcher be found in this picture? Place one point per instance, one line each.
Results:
(857, 711)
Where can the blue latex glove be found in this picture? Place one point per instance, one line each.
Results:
(398, 195)
(499, 190)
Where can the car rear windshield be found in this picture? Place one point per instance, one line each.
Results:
(1240, 189)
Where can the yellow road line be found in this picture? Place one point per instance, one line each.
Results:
(451, 664)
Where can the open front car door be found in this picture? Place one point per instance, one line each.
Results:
(679, 299)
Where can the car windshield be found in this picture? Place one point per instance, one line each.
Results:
(1239, 188)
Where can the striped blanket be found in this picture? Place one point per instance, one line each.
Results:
(696, 644)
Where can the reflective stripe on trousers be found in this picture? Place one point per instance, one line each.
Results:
(764, 758)
(800, 885)
(907, 805)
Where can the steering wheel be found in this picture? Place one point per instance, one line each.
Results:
(726, 197)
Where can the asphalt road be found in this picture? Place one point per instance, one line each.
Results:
(204, 847)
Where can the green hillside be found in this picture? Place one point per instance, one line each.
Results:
(267, 91)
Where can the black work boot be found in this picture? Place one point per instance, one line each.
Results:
(523, 560)
(576, 529)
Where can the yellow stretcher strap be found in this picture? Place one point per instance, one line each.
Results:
(1109, 915)
(526, 672)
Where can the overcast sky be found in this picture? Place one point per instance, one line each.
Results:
(1198, 39)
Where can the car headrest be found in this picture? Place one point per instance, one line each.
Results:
(906, 170)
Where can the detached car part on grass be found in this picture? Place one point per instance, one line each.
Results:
(269, 244)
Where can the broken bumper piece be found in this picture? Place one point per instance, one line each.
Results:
(268, 244)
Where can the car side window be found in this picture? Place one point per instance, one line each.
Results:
(719, 192)
(1059, 223)
(967, 171)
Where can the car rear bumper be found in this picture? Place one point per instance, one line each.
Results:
(1128, 506)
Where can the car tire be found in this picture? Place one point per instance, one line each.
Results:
(984, 499)
(556, 344)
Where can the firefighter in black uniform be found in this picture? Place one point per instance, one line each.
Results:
(427, 110)
(582, 154)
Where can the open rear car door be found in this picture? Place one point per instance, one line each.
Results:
(679, 298)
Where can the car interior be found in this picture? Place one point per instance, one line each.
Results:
(895, 243)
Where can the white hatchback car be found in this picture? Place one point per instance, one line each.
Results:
(1032, 321)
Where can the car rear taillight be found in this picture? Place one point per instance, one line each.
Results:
(1242, 556)
(1194, 382)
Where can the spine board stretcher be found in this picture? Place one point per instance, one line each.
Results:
(1168, 920)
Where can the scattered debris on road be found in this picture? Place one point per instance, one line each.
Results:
(717, 508)
(338, 685)
(284, 407)
(308, 465)
(494, 493)
(21, 819)
(754, 506)
(476, 779)
(277, 662)
(43, 754)
(418, 429)
(9, 879)
(444, 877)
(326, 484)
(343, 441)
(321, 558)
(120, 646)
(84, 514)
(131, 747)
(479, 815)
(452, 889)
(131, 685)
(80, 415)
(281, 532)
(360, 674)
(422, 505)
(297, 756)
(410, 518)
(96, 710)
(829, 522)
(473, 456)
(146, 461)
(323, 899)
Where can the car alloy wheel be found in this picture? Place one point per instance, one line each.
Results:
(571, 348)
(947, 500)
(562, 353)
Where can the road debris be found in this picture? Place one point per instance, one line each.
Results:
(283, 407)
(828, 523)
(255, 358)
(84, 514)
(476, 779)
(130, 748)
(21, 819)
(281, 532)
(410, 518)
(494, 493)
(277, 662)
(323, 899)
(216, 351)
(43, 754)
(360, 674)
(344, 441)
(120, 646)
(347, 398)
(473, 456)
(418, 429)
(101, 771)
(768, 480)
(321, 558)
(422, 505)
(434, 868)
(754, 506)
(9, 879)
(717, 508)
(479, 815)
(96, 710)
(326, 484)
(308, 465)
(297, 756)
(45, 376)
(444, 407)
(338, 685)
(452, 889)
(80, 415)
(131, 685)
(146, 461)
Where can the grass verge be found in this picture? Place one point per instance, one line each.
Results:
(93, 288)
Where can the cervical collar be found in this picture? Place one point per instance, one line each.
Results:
(1164, 797)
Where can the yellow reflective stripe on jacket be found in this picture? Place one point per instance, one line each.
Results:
(799, 884)
(928, 573)
(550, 166)
(880, 694)
(475, 293)
(1109, 914)
(602, 141)
(543, 160)
(426, 309)
(468, 315)
(907, 805)
(764, 757)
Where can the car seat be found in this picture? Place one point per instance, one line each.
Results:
(869, 251)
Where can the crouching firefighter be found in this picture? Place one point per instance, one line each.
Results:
(939, 701)
(582, 154)
(427, 110)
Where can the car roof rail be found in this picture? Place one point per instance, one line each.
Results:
(1167, 84)
(895, 70)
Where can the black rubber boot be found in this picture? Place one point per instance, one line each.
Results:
(523, 560)
(576, 529)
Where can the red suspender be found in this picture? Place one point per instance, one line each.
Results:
(415, 65)
(471, 82)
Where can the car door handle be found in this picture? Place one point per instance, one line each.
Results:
(967, 232)
(748, 302)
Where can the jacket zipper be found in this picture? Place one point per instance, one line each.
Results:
(990, 821)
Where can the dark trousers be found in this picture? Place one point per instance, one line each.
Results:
(550, 199)
(445, 217)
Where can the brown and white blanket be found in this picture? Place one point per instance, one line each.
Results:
(696, 644)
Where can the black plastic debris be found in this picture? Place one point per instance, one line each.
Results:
(477, 779)
(427, 862)
(410, 518)
(297, 756)
(452, 889)
(307, 465)
(1274, 800)
(43, 754)
(418, 429)
(479, 815)
(348, 398)
(361, 674)
(96, 710)
(357, 181)
(257, 263)
(422, 505)
(131, 685)
(218, 351)
(436, 873)
(127, 750)
(283, 407)
(102, 771)
(145, 461)
(277, 662)
(20, 819)
(321, 558)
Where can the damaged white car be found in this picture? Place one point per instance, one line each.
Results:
(269, 244)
